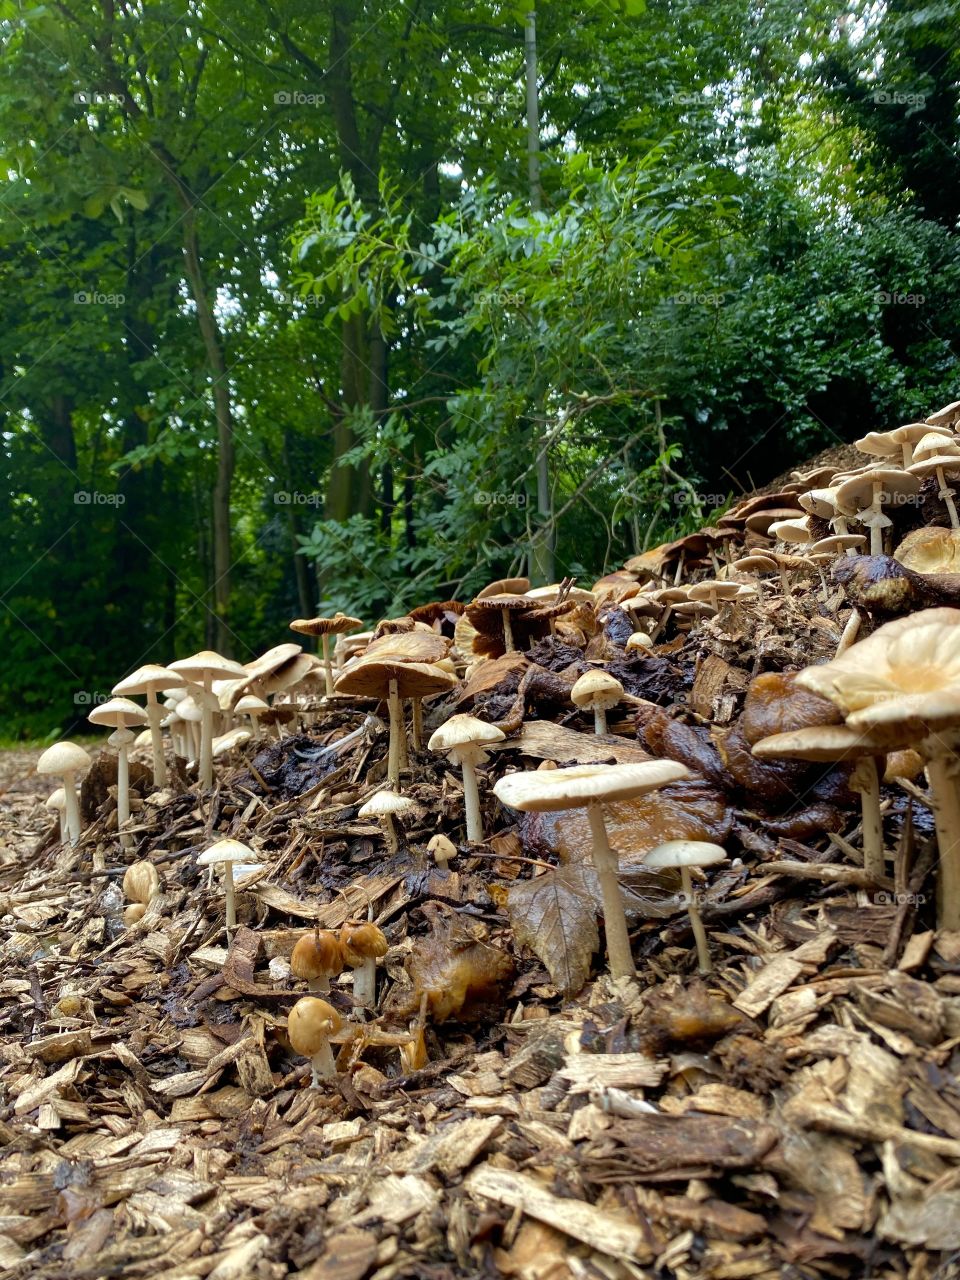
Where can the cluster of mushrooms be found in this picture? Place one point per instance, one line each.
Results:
(884, 707)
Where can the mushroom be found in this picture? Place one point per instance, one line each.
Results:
(901, 686)
(639, 642)
(931, 549)
(834, 743)
(203, 668)
(141, 882)
(494, 616)
(310, 1025)
(384, 806)
(191, 713)
(443, 849)
(57, 802)
(713, 591)
(684, 854)
(597, 691)
(253, 708)
(363, 944)
(863, 496)
(118, 713)
(316, 958)
(228, 853)
(395, 667)
(465, 738)
(149, 681)
(591, 786)
(134, 913)
(936, 456)
(340, 624)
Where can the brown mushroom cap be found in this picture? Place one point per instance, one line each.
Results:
(759, 522)
(310, 1024)
(508, 586)
(317, 955)
(272, 660)
(338, 625)
(361, 941)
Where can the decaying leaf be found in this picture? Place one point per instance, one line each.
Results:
(555, 915)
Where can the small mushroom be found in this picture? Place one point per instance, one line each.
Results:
(228, 853)
(591, 786)
(253, 708)
(316, 958)
(465, 738)
(57, 802)
(363, 944)
(134, 913)
(141, 882)
(310, 1025)
(203, 668)
(684, 854)
(639, 642)
(597, 691)
(442, 850)
(385, 806)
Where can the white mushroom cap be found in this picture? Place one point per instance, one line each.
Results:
(596, 689)
(148, 679)
(585, 784)
(268, 662)
(384, 803)
(227, 850)
(228, 741)
(56, 800)
(639, 640)
(462, 731)
(684, 853)
(207, 663)
(61, 758)
(251, 703)
(190, 709)
(118, 713)
(935, 442)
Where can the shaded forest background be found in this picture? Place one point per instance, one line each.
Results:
(281, 326)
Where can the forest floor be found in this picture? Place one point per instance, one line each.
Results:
(793, 1115)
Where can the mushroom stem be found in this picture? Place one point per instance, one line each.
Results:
(327, 665)
(942, 776)
(365, 983)
(471, 801)
(319, 984)
(599, 719)
(123, 793)
(679, 573)
(323, 1065)
(866, 781)
(947, 497)
(206, 733)
(71, 809)
(785, 583)
(231, 901)
(850, 633)
(416, 723)
(507, 631)
(396, 734)
(614, 917)
(154, 716)
(390, 833)
(704, 963)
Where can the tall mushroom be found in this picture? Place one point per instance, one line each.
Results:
(835, 743)
(65, 760)
(363, 944)
(119, 713)
(901, 686)
(394, 667)
(935, 456)
(465, 738)
(202, 669)
(865, 495)
(339, 625)
(150, 680)
(591, 786)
